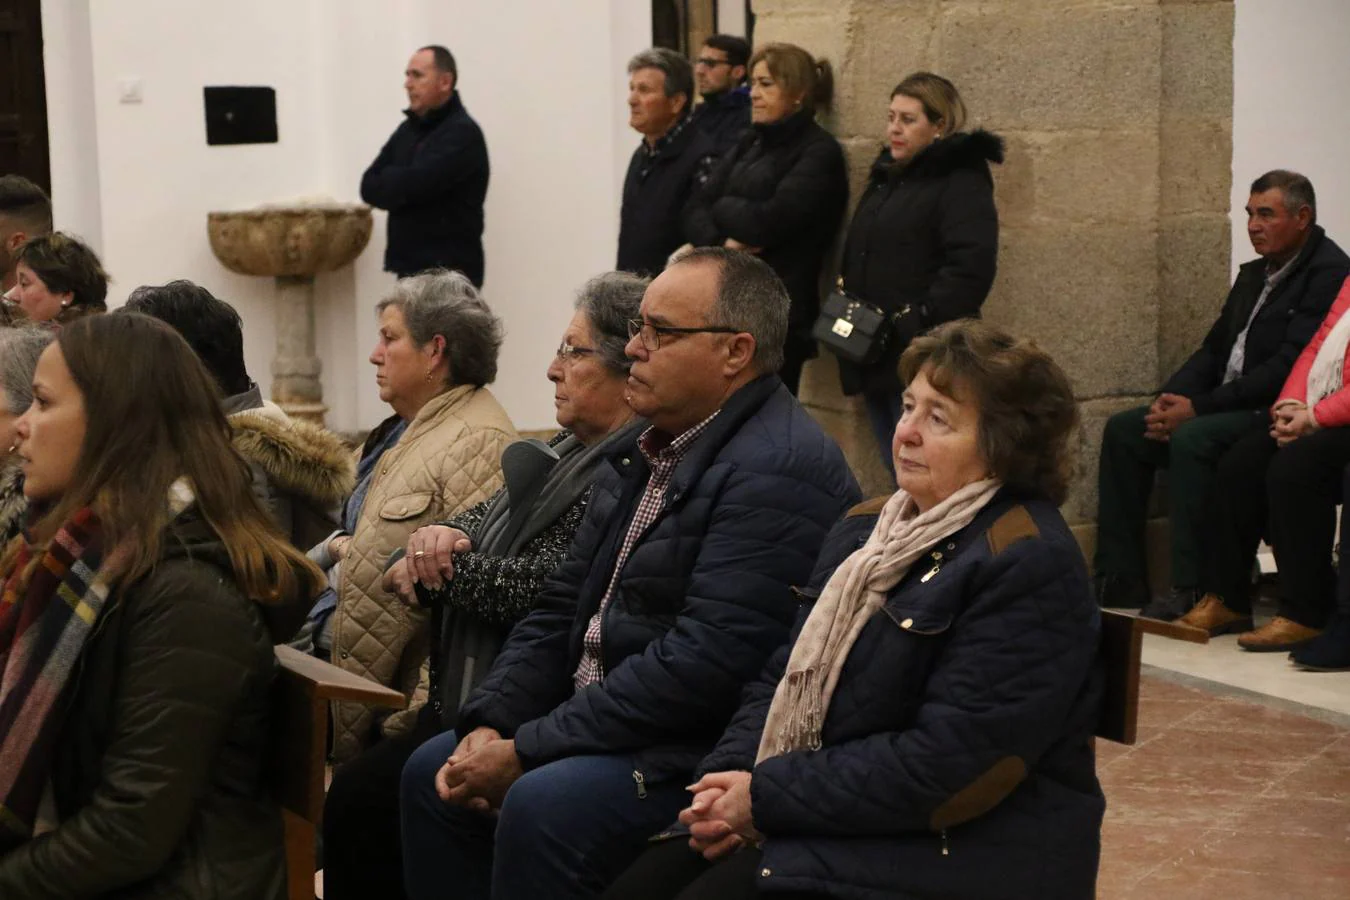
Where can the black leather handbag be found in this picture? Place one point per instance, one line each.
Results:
(855, 330)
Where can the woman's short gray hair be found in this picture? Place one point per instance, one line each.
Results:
(20, 348)
(442, 302)
(609, 301)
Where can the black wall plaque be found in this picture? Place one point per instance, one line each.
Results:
(241, 115)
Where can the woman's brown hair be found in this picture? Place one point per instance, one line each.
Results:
(67, 266)
(799, 73)
(1025, 401)
(153, 416)
(942, 102)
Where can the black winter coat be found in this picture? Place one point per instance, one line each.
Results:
(700, 605)
(651, 222)
(782, 189)
(724, 118)
(924, 236)
(1283, 327)
(957, 758)
(432, 177)
(159, 772)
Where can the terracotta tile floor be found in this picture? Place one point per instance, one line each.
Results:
(1225, 797)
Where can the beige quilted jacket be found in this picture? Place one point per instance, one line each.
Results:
(448, 460)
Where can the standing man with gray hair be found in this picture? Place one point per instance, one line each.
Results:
(432, 175)
(670, 164)
(676, 588)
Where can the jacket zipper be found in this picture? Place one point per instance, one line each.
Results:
(641, 781)
(945, 846)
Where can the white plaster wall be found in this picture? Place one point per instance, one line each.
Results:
(139, 179)
(1290, 75)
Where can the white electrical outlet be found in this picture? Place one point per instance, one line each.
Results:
(129, 89)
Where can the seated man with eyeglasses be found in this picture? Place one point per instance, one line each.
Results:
(580, 741)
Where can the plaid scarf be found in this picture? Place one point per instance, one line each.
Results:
(44, 623)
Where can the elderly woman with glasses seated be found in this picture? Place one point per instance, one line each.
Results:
(480, 572)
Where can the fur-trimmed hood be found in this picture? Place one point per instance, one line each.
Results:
(962, 150)
(298, 457)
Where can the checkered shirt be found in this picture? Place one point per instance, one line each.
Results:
(662, 461)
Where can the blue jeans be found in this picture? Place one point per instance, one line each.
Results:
(883, 412)
(565, 830)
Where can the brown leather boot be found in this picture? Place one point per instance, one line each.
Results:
(1279, 634)
(1211, 615)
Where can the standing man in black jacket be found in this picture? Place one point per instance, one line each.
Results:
(677, 587)
(432, 175)
(1219, 395)
(672, 161)
(719, 70)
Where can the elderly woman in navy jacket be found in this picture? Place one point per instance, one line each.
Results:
(781, 192)
(928, 732)
(923, 242)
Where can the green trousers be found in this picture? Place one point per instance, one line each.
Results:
(1125, 480)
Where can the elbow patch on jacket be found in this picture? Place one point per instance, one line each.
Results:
(1011, 527)
(982, 794)
(868, 507)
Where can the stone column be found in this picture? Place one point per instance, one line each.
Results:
(1113, 201)
(295, 368)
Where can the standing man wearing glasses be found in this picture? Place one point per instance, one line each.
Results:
(578, 744)
(432, 175)
(719, 71)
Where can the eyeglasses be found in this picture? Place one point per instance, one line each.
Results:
(710, 63)
(651, 334)
(569, 352)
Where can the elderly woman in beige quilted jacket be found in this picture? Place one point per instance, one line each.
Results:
(436, 354)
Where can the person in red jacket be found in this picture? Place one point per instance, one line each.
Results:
(1284, 483)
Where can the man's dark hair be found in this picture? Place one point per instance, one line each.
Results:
(750, 297)
(26, 203)
(211, 327)
(737, 49)
(1296, 188)
(444, 59)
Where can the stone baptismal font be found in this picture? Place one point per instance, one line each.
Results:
(292, 244)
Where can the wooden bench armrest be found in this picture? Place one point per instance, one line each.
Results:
(1174, 630)
(327, 682)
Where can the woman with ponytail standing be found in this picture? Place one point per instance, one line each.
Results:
(781, 191)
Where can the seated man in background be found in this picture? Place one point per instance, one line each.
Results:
(674, 593)
(1219, 395)
(301, 472)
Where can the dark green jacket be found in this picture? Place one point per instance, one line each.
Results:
(159, 776)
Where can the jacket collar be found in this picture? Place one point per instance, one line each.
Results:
(962, 150)
(738, 408)
(785, 131)
(438, 406)
(249, 399)
(438, 115)
(736, 98)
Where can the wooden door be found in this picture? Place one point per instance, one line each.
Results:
(23, 93)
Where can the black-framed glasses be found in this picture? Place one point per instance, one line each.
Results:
(651, 334)
(569, 352)
(711, 63)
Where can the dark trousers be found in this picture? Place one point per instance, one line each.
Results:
(671, 871)
(363, 856)
(565, 830)
(883, 414)
(1343, 571)
(1125, 480)
(1290, 495)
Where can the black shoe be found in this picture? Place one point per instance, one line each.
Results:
(1172, 605)
(1329, 651)
(1119, 591)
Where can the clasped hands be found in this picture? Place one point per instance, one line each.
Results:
(429, 560)
(480, 771)
(1166, 415)
(1291, 420)
(719, 818)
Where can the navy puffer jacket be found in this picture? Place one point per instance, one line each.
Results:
(957, 757)
(702, 602)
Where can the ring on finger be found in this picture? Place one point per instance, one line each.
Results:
(420, 553)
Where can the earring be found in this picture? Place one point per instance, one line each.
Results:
(428, 379)
(13, 447)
